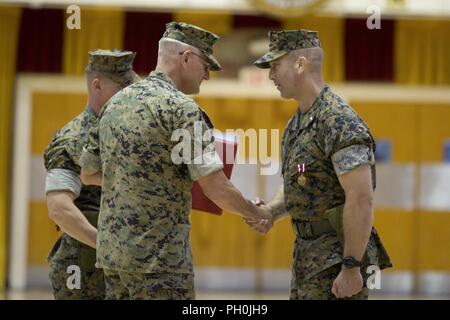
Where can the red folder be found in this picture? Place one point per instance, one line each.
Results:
(226, 147)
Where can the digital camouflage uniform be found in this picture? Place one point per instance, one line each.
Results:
(328, 139)
(143, 230)
(63, 174)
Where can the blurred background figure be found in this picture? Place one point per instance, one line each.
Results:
(73, 206)
(390, 62)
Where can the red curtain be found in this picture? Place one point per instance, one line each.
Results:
(142, 33)
(40, 41)
(369, 53)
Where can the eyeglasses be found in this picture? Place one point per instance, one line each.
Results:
(207, 65)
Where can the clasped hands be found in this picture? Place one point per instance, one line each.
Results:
(263, 219)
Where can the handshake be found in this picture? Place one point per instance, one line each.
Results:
(263, 218)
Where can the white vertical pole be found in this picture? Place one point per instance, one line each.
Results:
(20, 183)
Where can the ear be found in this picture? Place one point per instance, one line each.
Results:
(300, 64)
(96, 84)
(185, 57)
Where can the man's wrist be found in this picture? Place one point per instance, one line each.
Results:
(252, 209)
(354, 270)
(276, 212)
(273, 212)
(350, 262)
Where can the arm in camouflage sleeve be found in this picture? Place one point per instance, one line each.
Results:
(221, 191)
(349, 144)
(62, 186)
(90, 162)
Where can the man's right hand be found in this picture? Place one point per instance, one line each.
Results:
(263, 224)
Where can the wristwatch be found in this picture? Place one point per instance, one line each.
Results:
(350, 262)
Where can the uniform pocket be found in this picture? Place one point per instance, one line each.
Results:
(335, 217)
(87, 258)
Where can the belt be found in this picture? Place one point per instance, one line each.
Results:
(311, 229)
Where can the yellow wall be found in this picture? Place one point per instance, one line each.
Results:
(396, 229)
(434, 235)
(100, 29)
(42, 233)
(226, 241)
(9, 29)
(422, 48)
(51, 111)
(434, 128)
(220, 23)
(397, 122)
(416, 240)
(331, 33)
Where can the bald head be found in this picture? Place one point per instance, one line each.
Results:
(313, 56)
(185, 65)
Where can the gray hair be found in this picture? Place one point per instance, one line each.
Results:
(169, 47)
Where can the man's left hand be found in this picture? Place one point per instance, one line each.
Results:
(348, 283)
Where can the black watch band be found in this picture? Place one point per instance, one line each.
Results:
(350, 262)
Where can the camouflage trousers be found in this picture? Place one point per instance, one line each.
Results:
(92, 284)
(148, 286)
(66, 263)
(319, 286)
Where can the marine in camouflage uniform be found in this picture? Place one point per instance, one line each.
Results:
(318, 145)
(143, 230)
(63, 174)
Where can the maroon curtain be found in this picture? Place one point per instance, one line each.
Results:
(40, 41)
(142, 33)
(250, 21)
(369, 53)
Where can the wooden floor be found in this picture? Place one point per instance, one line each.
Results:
(47, 295)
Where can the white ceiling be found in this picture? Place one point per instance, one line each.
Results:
(334, 7)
